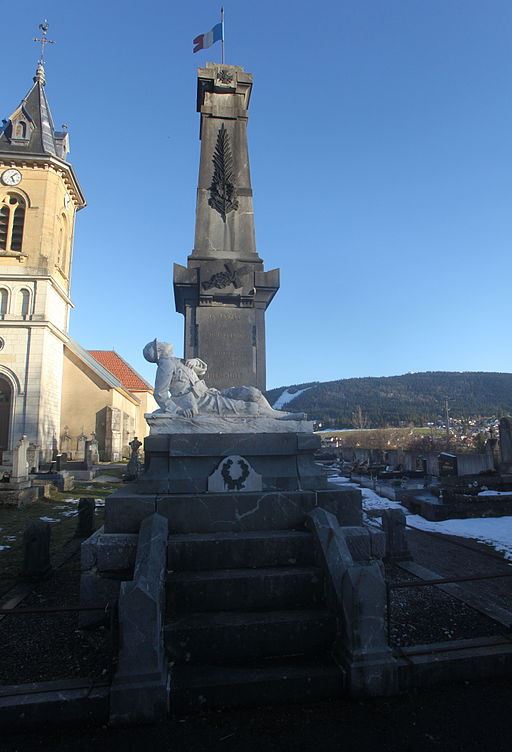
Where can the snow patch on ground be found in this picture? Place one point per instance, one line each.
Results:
(495, 493)
(286, 397)
(340, 480)
(4, 548)
(494, 531)
(48, 519)
(371, 500)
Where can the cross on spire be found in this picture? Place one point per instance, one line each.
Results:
(44, 39)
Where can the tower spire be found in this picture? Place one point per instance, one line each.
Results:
(43, 41)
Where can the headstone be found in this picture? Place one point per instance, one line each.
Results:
(223, 292)
(133, 466)
(394, 526)
(66, 443)
(506, 441)
(88, 455)
(80, 447)
(95, 453)
(86, 511)
(33, 458)
(234, 473)
(36, 550)
(20, 468)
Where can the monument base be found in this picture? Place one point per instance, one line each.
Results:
(182, 463)
(222, 424)
(229, 512)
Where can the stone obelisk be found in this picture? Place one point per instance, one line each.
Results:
(223, 292)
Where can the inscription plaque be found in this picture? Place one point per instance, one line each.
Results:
(225, 342)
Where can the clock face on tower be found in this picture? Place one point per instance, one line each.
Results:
(11, 177)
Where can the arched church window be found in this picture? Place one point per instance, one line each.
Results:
(4, 226)
(21, 129)
(5, 412)
(24, 303)
(12, 222)
(63, 243)
(4, 302)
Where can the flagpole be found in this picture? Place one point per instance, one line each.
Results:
(222, 40)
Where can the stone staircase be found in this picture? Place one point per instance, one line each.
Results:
(247, 622)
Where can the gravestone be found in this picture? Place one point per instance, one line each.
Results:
(88, 456)
(36, 550)
(80, 447)
(33, 453)
(394, 526)
(66, 445)
(223, 292)
(20, 468)
(506, 442)
(94, 446)
(86, 511)
(133, 466)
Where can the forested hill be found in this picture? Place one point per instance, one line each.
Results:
(389, 401)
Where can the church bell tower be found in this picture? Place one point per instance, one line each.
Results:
(224, 291)
(39, 198)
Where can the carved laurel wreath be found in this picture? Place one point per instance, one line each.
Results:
(235, 484)
(223, 189)
(231, 276)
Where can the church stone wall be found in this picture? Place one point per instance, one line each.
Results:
(13, 367)
(148, 405)
(91, 405)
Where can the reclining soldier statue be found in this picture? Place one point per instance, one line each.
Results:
(180, 390)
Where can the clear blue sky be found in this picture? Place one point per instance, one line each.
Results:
(381, 155)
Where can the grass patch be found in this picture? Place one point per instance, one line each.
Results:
(61, 513)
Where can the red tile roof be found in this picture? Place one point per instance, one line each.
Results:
(114, 363)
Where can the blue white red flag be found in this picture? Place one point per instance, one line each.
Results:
(206, 40)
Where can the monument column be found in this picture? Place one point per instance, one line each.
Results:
(223, 292)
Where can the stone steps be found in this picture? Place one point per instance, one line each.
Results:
(268, 588)
(295, 680)
(234, 637)
(246, 620)
(228, 550)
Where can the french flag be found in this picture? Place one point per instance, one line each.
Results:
(203, 41)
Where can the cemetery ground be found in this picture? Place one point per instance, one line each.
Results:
(465, 716)
(60, 511)
(468, 717)
(49, 646)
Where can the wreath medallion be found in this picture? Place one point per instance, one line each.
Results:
(235, 484)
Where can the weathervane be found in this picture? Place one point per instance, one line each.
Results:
(44, 39)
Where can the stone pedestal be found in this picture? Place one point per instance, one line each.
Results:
(235, 512)
(184, 463)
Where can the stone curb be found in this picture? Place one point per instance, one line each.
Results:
(54, 702)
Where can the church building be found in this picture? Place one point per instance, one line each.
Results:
(51, 390)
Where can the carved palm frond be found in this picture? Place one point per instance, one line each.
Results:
(223, 189)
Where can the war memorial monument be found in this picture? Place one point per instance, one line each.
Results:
(242, 577)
